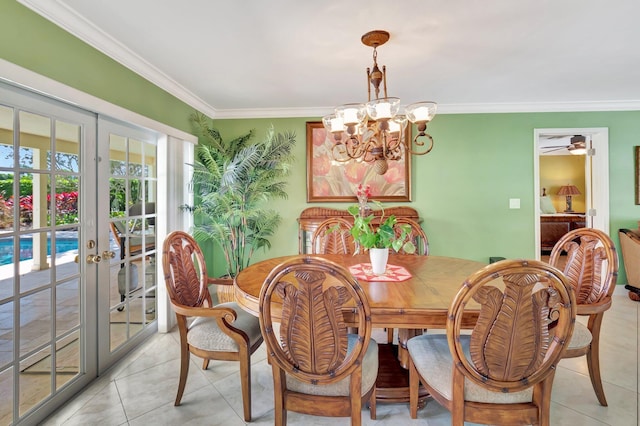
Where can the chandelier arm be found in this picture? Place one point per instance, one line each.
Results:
(339, 152)
(394, 153)
(367, 157)
(356, 148)
(394, 143)
(417, 142)
(367, 147)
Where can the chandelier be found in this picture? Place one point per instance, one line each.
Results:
(375, 132)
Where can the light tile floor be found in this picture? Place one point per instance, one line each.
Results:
(140, 390)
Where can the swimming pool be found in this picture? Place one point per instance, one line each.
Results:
(26, 248)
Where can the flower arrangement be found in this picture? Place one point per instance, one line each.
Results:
(388, 234)
(363, 193)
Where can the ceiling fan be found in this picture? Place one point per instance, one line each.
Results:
(577, 145)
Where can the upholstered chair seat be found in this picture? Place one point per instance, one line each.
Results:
(581, 337)
(432, 357)
(205, 334)
(369, 374)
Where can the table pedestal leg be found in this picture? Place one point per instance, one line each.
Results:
(404, 334)
(392, 384)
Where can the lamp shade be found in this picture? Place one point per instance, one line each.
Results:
(569, 190)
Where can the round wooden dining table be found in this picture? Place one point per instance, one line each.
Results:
(420, 301)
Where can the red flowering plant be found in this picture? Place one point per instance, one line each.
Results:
(66, 205)
(363, 193)
(6, 214)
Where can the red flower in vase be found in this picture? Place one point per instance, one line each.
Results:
(363, 193)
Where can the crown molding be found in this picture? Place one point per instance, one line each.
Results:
(273, 112)
(631, 105)
(586, 106)
(75, 24)
(21, 77)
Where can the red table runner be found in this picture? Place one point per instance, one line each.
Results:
(362, 271)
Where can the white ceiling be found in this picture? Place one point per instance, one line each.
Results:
(291, 58)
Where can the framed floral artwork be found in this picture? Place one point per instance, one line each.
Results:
(330, 180)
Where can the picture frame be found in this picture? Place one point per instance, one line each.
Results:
(637, 173)
(330, 180)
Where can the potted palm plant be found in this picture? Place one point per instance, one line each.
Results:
(234, 182)
(379, 239)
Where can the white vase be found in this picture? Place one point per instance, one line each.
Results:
(378, 258)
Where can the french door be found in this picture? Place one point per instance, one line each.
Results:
(47, 293)
(127, 194)
(74, 295)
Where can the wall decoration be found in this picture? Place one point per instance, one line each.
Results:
(330, 180)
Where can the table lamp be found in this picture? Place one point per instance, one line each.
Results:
(569, 191)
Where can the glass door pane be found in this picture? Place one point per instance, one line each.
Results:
(44, 219)
(126, 214)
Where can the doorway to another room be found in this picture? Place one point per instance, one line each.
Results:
(571, 182)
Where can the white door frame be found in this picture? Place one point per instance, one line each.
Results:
(84, 321)
(597, 197)
(177, 146)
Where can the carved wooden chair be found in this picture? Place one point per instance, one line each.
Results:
(420, 241)
(318, 368)
(417, 237)
(222, 332)
(333, 236)
(592, 270)
(502, 372)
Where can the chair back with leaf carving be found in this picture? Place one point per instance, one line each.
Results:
(416, 235)
(503, 372)
(511, 348)
(333, 236)
(313, 348)
(185, 271)
(591, 264)
(592, 270)
(222, 332)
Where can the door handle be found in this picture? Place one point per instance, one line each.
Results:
(93, 258)
(108, 254)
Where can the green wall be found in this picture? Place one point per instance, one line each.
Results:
(28, 40)
(461, 189)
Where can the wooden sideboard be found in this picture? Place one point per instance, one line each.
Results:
(311, 217)
(553, 227)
